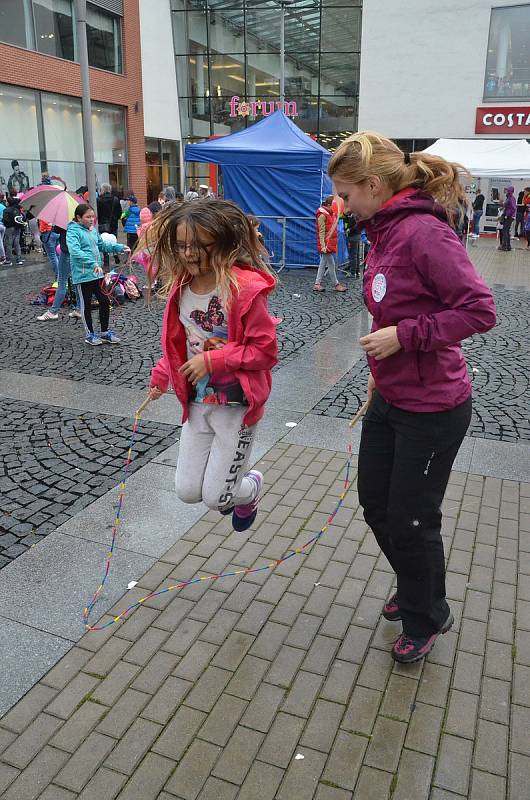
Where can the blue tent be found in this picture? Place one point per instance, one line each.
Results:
(273, 169)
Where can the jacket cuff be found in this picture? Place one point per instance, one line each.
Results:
(159, 379)
(216, 361)
(405, 334)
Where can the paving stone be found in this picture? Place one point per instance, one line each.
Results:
(468, 672)
(103, 661)
(362, 710)
(56, 793)
(179, 733)
(375, 670)
(323, 726)
(28, 708)
(233, 651)
(345, 760)
(303, 694)
(223, 719)
(238, 755)
(261, 782)
(123, 713)
(472, 636)
(269, 640)
(320, 655)
(185, 635)
(195, 661)
(303, 631)
(194, 769)
(498, 663)
(491, 748)
(495, 700)
(414, 776)
(373, 784)
(168, 698)
(216, 789)
(104, 785)
(485, 786)
(65, 669)
(281, 740)
(287, 610)
(519, 741)
(285, 666)
(399, 697)
(74, 693)
(454, 764)
(247, 677)
(425, 727)
(77, 728)
(501, 625)
(462, 714)
(116, 683)
(85, 761)
(477, 605)
(337, 622)
(133, 746)
(31, 741)
(519, 775)
(208, 688)
(340, 681)
(146, 646)
(36, 777)
(301, 778)
(386, 743)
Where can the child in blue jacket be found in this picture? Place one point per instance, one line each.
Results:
(85, 246)
(131, 221)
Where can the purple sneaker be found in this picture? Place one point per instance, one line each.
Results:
(391, 609)
(407, 650)
(244, 516)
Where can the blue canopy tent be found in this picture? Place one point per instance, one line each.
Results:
(273, 169)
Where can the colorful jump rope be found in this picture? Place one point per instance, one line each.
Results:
(246, 571)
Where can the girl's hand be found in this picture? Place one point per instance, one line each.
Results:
(194, 369)
(370, 388)
(155, 393)
(381, 343)
(126, 250)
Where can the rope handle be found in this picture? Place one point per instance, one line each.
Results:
(143, 406)
(361, 412)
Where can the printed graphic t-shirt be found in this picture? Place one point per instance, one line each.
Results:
(205, 321)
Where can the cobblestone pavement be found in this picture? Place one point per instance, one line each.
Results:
(54, 462)
(57, 348)
(280, 684)
(499, 364)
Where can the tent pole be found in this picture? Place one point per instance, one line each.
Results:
(282, 53)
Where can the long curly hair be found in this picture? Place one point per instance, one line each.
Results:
(234, 242)
(367, 153)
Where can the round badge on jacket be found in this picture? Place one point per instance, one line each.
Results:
(378, 287)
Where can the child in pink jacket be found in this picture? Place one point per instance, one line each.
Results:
(219, 346)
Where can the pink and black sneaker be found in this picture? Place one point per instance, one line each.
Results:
(244, 516)
(407, 650)
(391, 609)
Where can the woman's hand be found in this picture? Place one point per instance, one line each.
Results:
(381, 343)
(155, 393)
(194, 369)
(370, 388)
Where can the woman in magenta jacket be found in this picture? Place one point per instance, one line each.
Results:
(425, 296)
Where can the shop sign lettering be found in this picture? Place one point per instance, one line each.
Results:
(256, 108)
(503, 119)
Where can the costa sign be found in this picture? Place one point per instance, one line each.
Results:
(503, 119)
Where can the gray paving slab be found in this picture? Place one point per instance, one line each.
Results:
(26, 654)
(327, 432)
(152, 519)
(86, 396)
(48, 586)
(501, 460)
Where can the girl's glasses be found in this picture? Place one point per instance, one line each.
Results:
(184, 247)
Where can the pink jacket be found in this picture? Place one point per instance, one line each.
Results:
(251, 352)
(420, 278)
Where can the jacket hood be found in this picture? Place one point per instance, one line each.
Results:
(408, 201)
(510, 190)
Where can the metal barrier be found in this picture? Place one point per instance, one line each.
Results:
(292, 244)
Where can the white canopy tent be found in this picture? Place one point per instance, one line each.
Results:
(486, 158)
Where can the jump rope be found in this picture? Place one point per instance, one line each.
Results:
(181, 584)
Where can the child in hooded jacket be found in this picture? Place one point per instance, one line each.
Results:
(85, 246)
(219, 346)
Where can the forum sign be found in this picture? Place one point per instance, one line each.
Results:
(262, 108)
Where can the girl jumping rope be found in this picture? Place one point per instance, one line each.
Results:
(425, 296)
(219, 346)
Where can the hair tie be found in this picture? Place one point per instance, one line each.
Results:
(406, 157)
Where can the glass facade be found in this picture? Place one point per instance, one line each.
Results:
(227, 49)
(162, 166)
(47, 130)
(47, 26)
(508, 61)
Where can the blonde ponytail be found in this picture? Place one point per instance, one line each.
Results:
(367, 153)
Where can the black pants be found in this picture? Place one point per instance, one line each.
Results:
(86, 290)
(405, 460)
(519, 222)
(354, 256)
(132, 238)
(505, 233)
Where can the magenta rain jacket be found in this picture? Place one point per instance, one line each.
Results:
(420, 278)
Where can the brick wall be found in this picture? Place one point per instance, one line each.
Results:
(49, 74)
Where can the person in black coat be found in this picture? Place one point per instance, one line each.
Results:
(109, 213)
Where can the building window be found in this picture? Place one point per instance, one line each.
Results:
(20, 151)
(16, 23)
(230, 49)
(54, 32)
(162, 160)
(508, 61)
(104, 40)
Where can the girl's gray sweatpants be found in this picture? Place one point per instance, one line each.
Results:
(214, 454)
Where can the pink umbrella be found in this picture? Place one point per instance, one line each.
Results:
(51, 204)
